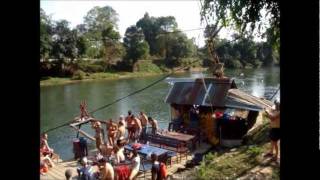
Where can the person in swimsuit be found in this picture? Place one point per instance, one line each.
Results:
(144, 122)
(121, 129)
(274, 116)
(119, 152)
(154, 124)
(137, 127)
(112, 131)
(130, 126)
(99, 135)
(106, 170)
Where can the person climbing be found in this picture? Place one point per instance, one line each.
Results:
(274, 116)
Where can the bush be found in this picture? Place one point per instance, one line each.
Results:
(91, 68)
(233, 64)
(147, 66)
(78, 75)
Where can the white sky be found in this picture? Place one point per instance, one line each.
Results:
(187, 13)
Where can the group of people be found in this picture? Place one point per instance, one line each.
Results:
(112, 162)
(133, 128)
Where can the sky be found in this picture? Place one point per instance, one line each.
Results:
(186, 12)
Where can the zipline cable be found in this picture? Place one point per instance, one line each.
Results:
(131, 94)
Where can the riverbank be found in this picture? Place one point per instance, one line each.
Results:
(244, 162)
(51, 81)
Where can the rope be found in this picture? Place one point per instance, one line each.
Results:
(120, 99)
(275, 93)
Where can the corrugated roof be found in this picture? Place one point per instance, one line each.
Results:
(221, 92)
(192, 91)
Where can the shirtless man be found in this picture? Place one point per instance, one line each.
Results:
(144, 122)
(99, 135)
(137, 127)
(154, 124)
(112, 131)
(106, 170)
(121, 129)
(130, 125)
(274, 116)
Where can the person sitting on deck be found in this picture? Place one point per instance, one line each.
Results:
(106, 170)
(121, 129)
(99, 135)
(45, 163)
(130, 125)
(154, 125)
(86, 172)
(274, 135)
(44, 146)
(144, 122)
(135, 166)
(68, 174)
(112, 129)
(158, 170)
(119, 151)
(137, 127)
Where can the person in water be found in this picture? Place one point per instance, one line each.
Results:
(154, 125)
(274, 116)
(112, 132)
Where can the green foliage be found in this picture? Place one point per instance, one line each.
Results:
(89, 67)
(245, 16)
(45, 35)
(78, 75)
(254, 150)
(148, 66)
(136, 46)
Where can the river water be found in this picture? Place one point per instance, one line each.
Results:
(60, 104)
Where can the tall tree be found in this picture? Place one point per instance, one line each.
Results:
(45, 35)
(136, 46)
(101, 30)
(154, 29)
(150, 30)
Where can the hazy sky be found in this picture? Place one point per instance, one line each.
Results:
(186, 13)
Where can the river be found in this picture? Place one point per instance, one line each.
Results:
(60, 104)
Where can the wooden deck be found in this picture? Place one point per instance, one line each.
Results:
(57, 172)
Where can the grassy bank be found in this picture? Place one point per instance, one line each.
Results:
(95, 76)
(244, 162)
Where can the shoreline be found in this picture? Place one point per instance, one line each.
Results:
(53, 81)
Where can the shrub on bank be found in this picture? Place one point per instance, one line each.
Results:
(147, 66)
(78, 75)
